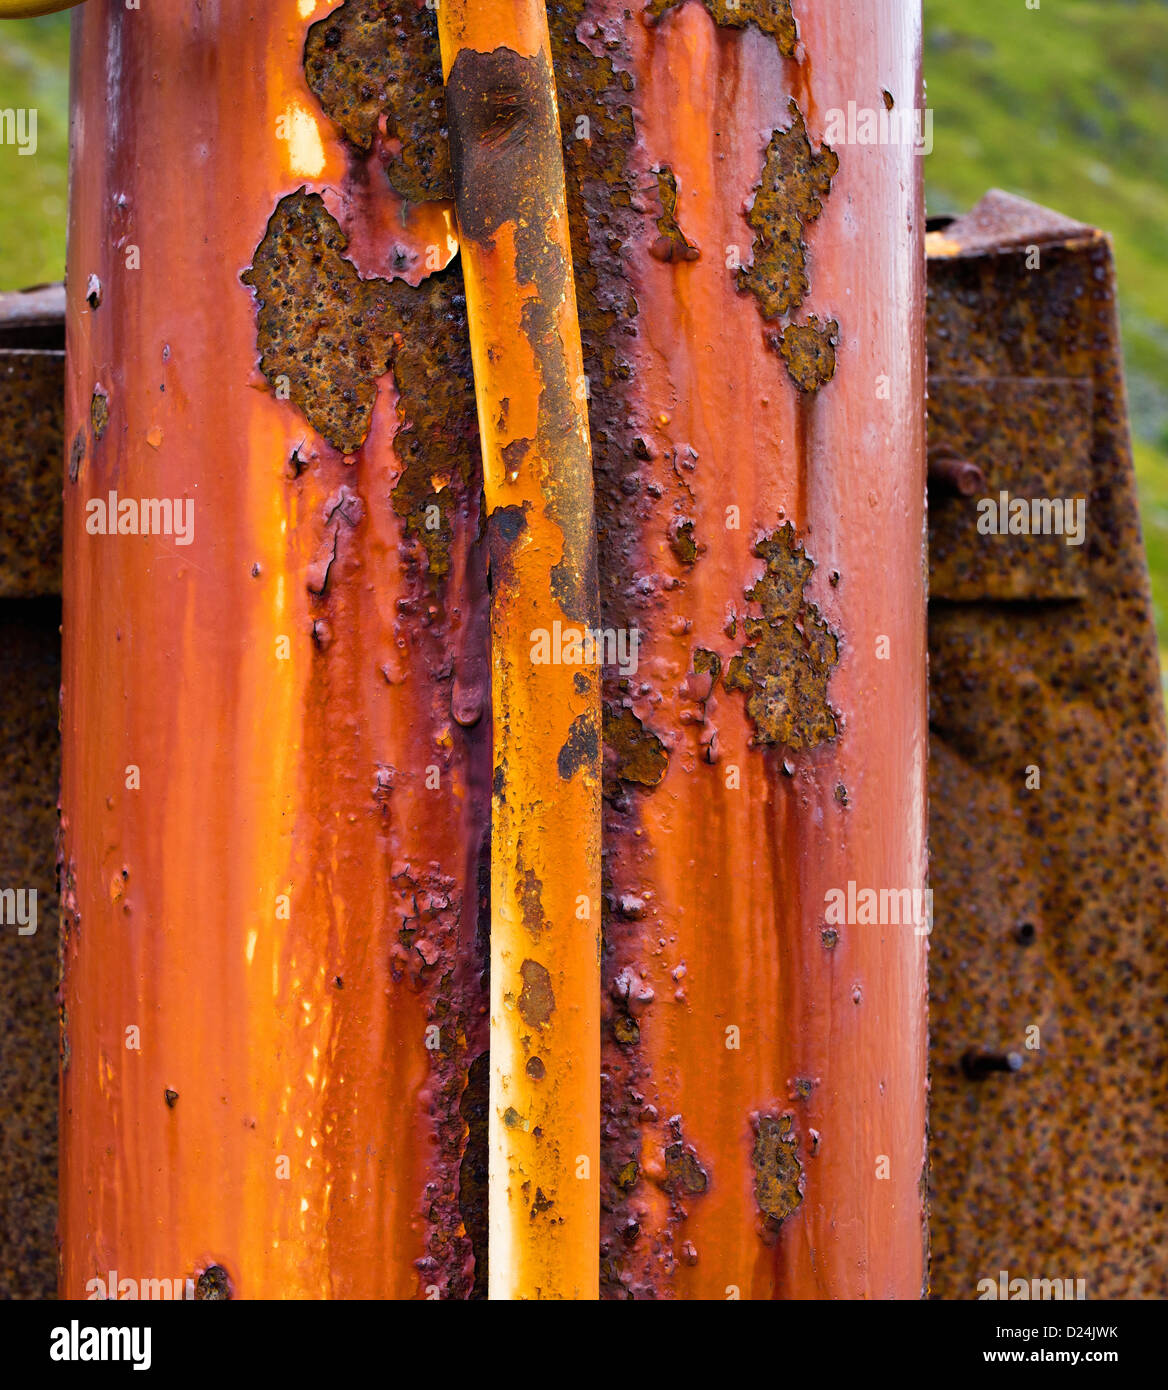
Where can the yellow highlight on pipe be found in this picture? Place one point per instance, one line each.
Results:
(26, 9)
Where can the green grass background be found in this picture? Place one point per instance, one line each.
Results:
(1066, 104)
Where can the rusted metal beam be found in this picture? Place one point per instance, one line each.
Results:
(537, 477)
(32, 403)
(1048, 770)
(32, 409)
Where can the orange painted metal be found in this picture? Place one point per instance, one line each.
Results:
(272, 820)
(537, 472)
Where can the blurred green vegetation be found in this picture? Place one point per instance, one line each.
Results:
(34, 75)
(1066, 104)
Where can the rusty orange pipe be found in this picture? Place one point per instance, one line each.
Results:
(276, 769)
(545, 825)
(758, 427)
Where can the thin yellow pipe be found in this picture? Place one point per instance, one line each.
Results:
(545, 820)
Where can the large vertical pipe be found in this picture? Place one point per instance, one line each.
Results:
(753, 325)
(276, 765)
(537, 474)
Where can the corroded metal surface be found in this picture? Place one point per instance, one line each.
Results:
(280, 896)
(1047, 777)
(30, 673)
(32, 409)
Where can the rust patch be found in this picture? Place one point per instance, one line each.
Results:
(213, 1285)
(77, 455)
(706, 661)
(790, 652)
(808, 349)
(325, 335)
(581, 748)
(537, 1002)
(684, 1174)
(531, 900)
(682, 542)
(635, 754)
(375, 68)
(672, 244)
(771, 16)
(437, 443)
(795, 180)
(778, 1174)
(99, 411)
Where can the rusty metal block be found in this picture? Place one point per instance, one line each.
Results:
(30, 660)
(32, 339)
(32, 413)
(1031, 440)
(1047, 782)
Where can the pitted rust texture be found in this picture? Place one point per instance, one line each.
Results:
(785, 667)
(808, 349)
(672, 244)
(594, 79)
(32, 411)
(375, 68)
(1050, 899)
(537, 1000)
(1055, 419)
(795, 181)
(428, 912)
(475, 1110)
(505, 151)
(426, 956)
(778, 1174)
(323, 330)
(29, 769)
(437, 443)
(771, 16)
